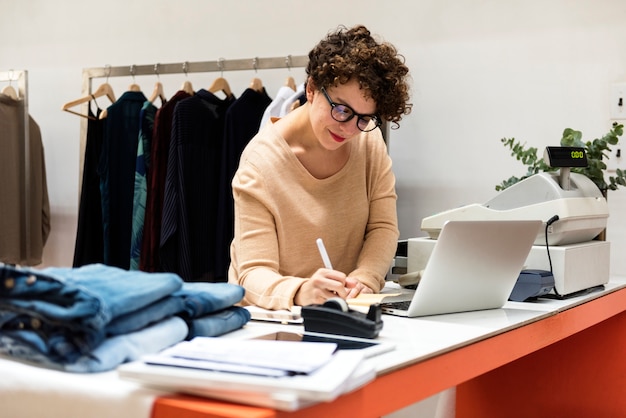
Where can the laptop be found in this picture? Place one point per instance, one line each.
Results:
(474, 266)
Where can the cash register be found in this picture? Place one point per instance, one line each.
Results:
(570, 205)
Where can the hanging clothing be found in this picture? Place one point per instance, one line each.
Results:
(298, 97)
(89, 241)
(117, 176)
(149, 259)
(142, 166)
(241, 124)
(273, 109)
(13, 248)
(192, 187)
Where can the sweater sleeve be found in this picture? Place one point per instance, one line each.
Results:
(255, 263)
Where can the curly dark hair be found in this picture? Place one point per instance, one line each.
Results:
(348, 54)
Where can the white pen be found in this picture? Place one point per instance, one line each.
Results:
(324, 254)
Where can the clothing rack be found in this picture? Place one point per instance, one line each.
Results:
(219, 65)
(21, 77)
(199, 67)
(186, 67)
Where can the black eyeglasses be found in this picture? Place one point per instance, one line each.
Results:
(344, 113)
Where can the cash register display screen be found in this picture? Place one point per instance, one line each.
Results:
(567, 156)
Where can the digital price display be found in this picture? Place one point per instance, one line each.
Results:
(566, 157)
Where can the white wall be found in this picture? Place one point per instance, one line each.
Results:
(482, 70)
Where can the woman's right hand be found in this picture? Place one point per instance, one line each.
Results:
(323, 285)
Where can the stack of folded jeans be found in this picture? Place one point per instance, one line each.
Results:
(96, 317)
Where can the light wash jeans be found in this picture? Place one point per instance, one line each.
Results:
(219, 323)
(67, 309)
(92, 317)
(111, 353)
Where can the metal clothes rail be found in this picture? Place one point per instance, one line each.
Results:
(200, 67)
(21, 79)
(186, 67)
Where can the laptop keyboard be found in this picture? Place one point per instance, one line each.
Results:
(402, 305)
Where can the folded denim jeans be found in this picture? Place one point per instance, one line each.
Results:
(70, 318)
(218, 323)
(67, 309)
(193, 300)
(136, 320)
(202, 298)
(91, 295)
(112, 352)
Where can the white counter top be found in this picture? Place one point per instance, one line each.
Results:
(29, 391)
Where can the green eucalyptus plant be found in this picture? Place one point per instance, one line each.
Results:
(596, 151)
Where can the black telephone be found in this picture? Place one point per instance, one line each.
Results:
(335, 317)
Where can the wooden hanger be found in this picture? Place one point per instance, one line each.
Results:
(157, 93)
(187, 87)
(105, 89)
(291, 83)
(10, 92)
(133, 87)
(257, 85)
(220, 84)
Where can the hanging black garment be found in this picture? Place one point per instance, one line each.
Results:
(117, 176)
(161, 136)
(242, 123)
(191, 187)
(89, 246)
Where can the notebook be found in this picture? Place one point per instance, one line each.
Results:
(474, 266)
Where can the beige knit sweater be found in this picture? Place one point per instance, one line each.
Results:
(281, 209)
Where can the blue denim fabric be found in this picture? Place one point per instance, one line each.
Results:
(218, 323)
(65, 310)
(159, 310)
(95, 317)
(111, 353)
(205, 298)
(194, 300)
(129, 347)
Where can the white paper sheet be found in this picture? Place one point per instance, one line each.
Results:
(252, 355)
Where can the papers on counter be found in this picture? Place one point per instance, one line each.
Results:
(297, 374)
(257, 357)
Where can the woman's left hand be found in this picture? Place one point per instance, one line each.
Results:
(355, 288)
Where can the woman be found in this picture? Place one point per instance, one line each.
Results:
(323, 171)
